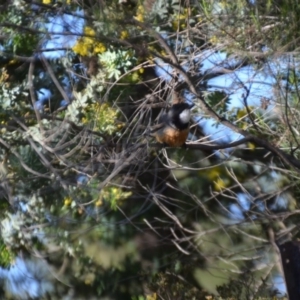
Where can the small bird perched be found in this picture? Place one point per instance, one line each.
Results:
(173, 127)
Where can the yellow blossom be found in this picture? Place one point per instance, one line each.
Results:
(99, 203)
(220, 184)
(67, 201)
(84, 120)
(81, 48)
(213, 40)
(163, 53)
(182, 17)
(114, 191)
(139, 17)
(241, 113)
(251, 146)
(88, 41)
(141, 9)
(89, 31)
(112, 195)
(140, 13)
(47, 1)
(124, 35)
(87, 45)
(244, 126)
(99, 48)
(213, 173)
(151, 297)
(135, 76)
(175, 24)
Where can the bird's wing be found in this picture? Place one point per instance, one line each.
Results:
(162, 121)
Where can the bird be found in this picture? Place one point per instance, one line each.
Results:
(173, 126)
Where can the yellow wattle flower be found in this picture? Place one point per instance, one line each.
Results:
(219, 184)
(89, 31)
(251, 146)
(67, 201)
(241, 113)
(139, 17)
(124, 35)
(99, 48)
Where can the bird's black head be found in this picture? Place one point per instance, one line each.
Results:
(179, 115)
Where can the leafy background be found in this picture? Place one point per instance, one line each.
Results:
(91, 206)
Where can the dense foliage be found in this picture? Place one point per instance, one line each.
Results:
(91, 206)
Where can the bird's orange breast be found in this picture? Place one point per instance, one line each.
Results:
(172, 137)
